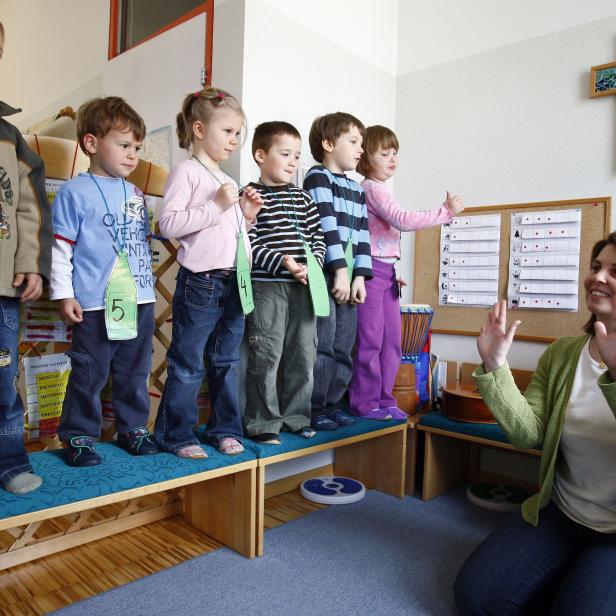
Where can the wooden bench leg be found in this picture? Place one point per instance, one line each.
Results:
(225, 508)
(446, 464)
(411, 461)
(379, 462)
(260, 513)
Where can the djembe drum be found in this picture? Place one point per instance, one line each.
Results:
(416, 319)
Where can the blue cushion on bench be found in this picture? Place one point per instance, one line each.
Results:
(294, 442)
(492, 432)
(119, 471)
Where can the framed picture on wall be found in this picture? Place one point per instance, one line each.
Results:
(603, 80)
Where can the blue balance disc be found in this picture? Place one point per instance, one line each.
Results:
(332, 490)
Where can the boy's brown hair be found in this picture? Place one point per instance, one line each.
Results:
(377, 137)
(328, 128)
(100, 115)
(265, 134)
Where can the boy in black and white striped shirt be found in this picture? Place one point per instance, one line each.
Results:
(282, 329)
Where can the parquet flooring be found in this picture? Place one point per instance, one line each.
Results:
(58, 580)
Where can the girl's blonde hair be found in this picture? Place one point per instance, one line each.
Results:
(377, 137)
(201, 106)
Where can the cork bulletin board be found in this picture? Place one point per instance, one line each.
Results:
(537, 325)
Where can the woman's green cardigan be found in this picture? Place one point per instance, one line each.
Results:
(536, 418)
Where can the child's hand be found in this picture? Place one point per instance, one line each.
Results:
(455, 203)
(226, 196)
(299, 271)
(251, 203)
(70, 311)
(34, 286)
(342, 287)
(401, 282)
(358, 290)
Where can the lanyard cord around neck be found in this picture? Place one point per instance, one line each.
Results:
(294, 215)
(237, 218)
(351, 216)
(116, 231)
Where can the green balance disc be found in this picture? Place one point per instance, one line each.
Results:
(496, 496)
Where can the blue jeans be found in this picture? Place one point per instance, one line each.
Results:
(207, 319)
(558, 568)
(334, 365)
(13, 456)
(93, 358)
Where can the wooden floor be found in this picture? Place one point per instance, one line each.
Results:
(50, 583)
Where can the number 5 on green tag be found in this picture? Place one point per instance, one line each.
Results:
(244, 285)
(121, 301)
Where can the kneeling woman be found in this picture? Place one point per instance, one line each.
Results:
(559, 555)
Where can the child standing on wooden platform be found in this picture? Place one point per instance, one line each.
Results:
(378, 346)
(102, 276)
(25, 254)
(202, 209)
(282, 328)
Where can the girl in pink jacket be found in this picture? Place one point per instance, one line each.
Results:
(378, 345)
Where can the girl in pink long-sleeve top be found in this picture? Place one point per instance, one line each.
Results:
(378, 343)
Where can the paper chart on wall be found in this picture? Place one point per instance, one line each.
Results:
(544, 260)
(469, 261)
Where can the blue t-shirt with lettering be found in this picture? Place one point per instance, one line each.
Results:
(80, 216)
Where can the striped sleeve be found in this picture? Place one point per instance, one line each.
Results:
(314, 232)
(362, 265)
(319, 187)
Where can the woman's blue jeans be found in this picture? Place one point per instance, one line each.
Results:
(207, 319)
(13, 456)
(559, 568)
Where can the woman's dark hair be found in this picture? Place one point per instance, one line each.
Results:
(610, 240)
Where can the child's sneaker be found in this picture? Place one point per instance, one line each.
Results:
(322, 422)
(230, 446)
(138, 442)
(380, 414)
(267, 438)
(80, 452)
(396, 413)
(306, 432)
(341, 418)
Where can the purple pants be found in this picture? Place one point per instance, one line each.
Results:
(378, 343)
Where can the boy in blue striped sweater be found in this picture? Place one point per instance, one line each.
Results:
(281, 329)
(335, 142)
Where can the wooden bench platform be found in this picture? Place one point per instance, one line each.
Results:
(451, 451)
(223, 496)
(373, 452)
(77, 505)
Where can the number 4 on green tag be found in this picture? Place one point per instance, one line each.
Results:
(244, 285)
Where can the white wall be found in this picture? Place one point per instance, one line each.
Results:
(53, 56)
(431, 33)
(296, 69)
(510, 125)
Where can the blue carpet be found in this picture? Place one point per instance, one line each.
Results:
(382, 555)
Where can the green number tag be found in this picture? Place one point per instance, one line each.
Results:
(316, 285)
(348, 255)
(121, 301)
(242, 267)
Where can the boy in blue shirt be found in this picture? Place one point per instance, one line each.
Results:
(335, 142)
(102, 276)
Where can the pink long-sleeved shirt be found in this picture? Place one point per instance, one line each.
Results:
(386, 219)
(208, 239)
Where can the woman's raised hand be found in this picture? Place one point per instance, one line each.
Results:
(495, 338)
(606, 334)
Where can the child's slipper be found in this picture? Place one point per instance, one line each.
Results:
(194, 452)
(306, 432)
(230, 446)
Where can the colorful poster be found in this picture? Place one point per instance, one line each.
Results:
(41, 323)
(46, 379)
